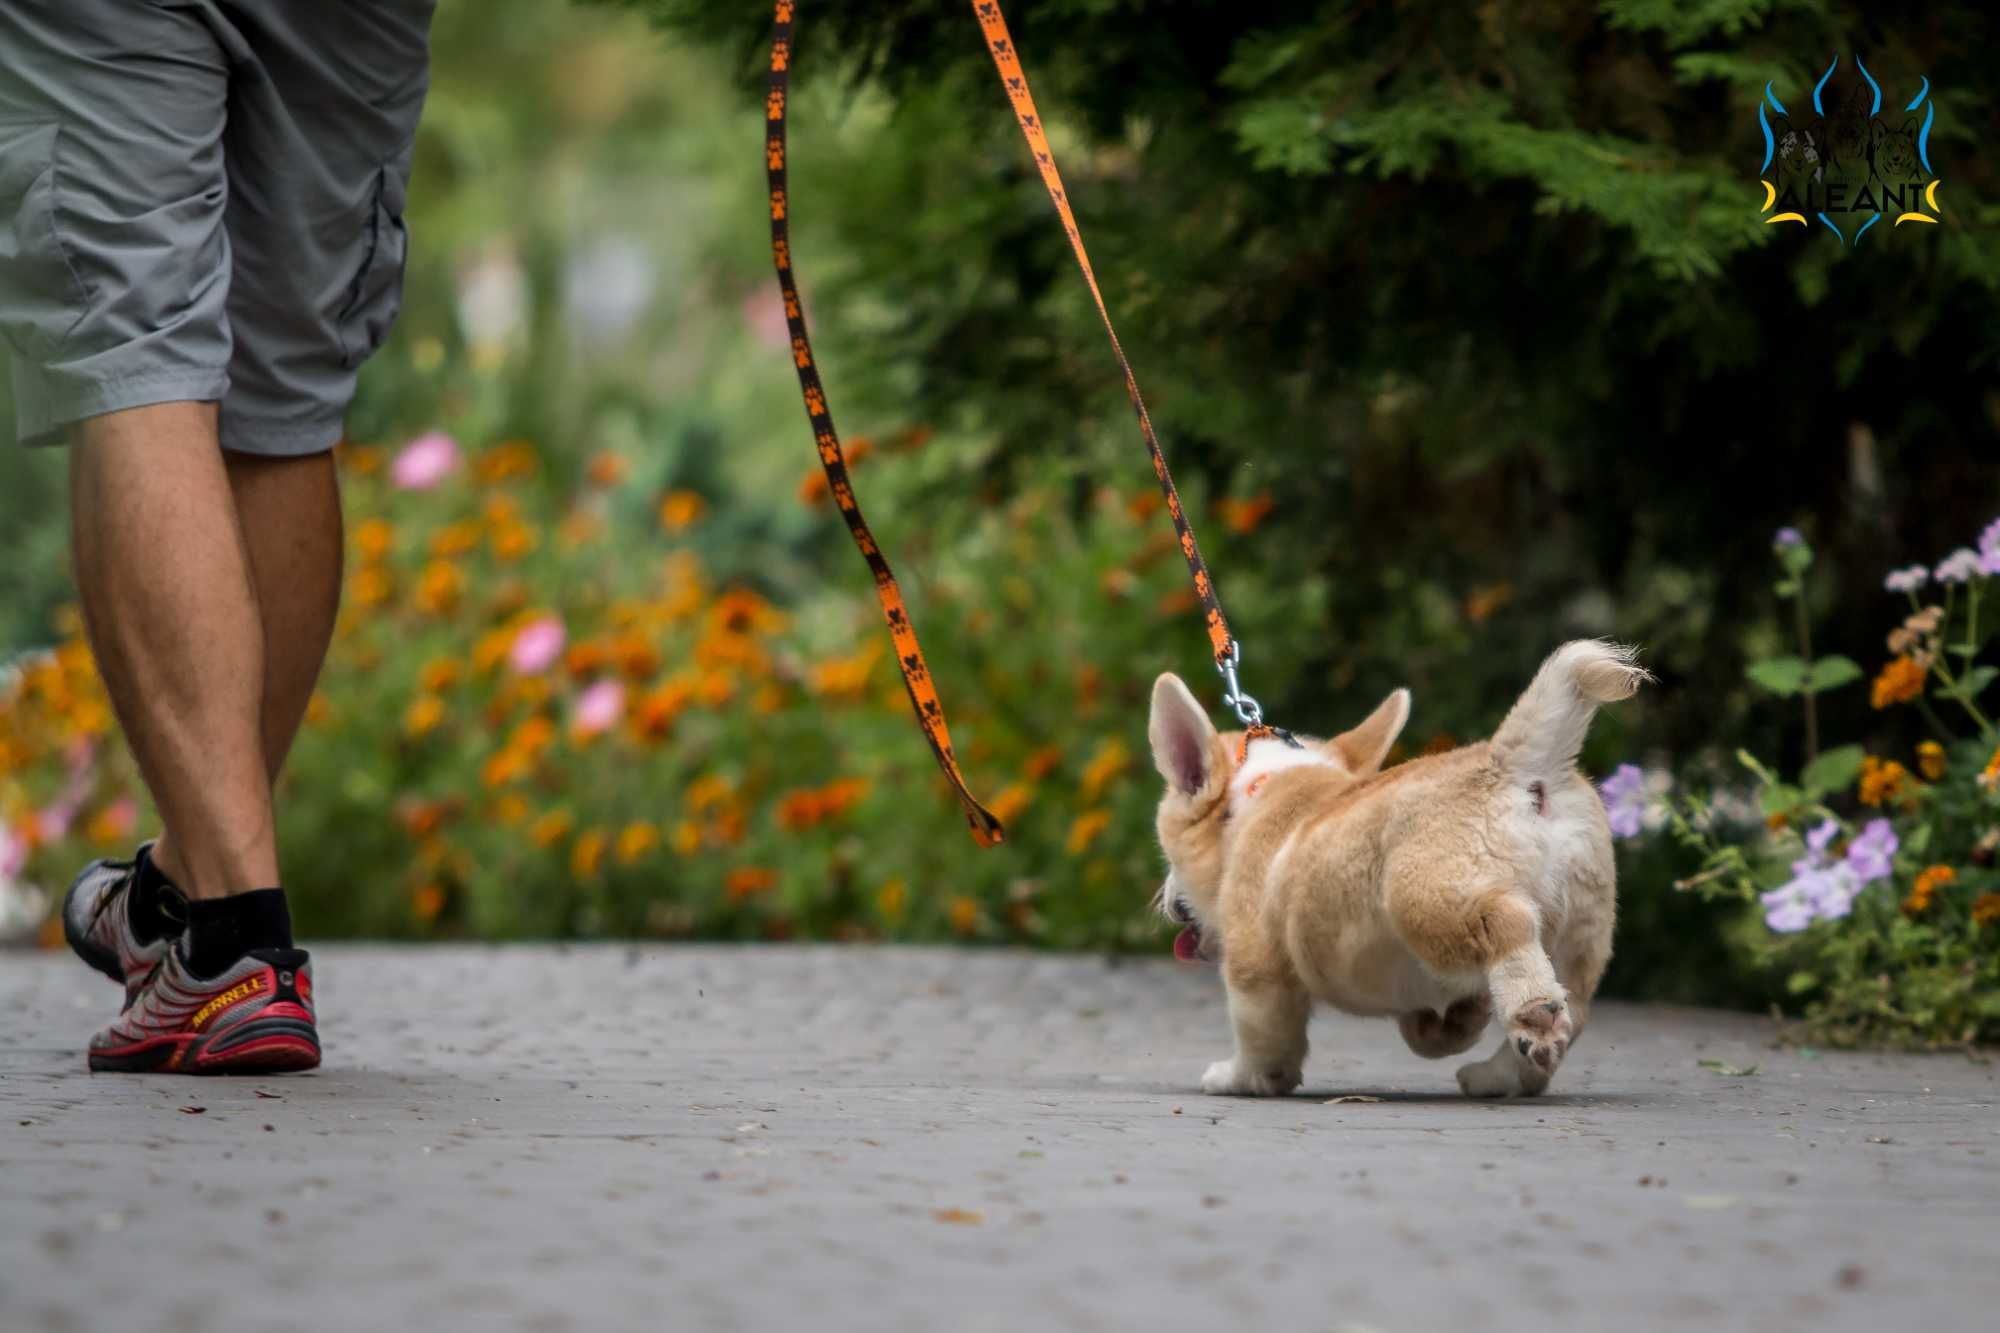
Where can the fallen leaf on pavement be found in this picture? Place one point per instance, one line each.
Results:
(194, 1110)
(1727, 1070)
(957, 1217)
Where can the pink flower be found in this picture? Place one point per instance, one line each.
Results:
(537, 645)
(13, 855)
(599, 708)
(424, 462)
(765, 315)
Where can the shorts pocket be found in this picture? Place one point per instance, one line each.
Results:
(41, 297)
(376, 296)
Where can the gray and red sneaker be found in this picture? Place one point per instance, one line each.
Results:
(255, 1018)
(97, 922)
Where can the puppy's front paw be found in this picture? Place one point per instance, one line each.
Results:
(1498, 1075)
(1539, 1032)
(1226, 1078)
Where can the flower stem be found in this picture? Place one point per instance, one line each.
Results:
(1805, 655)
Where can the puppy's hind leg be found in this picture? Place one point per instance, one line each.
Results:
(1539, 1027)
(1435, 1035)
(1270, 1017)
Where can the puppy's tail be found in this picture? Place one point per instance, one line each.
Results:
(1542, 734)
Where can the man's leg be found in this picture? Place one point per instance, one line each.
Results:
(171, 605)
(289, 509)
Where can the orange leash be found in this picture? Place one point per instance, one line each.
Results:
(910, 662)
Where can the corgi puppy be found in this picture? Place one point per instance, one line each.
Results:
(1445, 892)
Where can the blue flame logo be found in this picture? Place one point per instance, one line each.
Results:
(1847, 164)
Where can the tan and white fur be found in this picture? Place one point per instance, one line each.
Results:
(1441, 892)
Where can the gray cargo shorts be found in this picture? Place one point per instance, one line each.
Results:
(202, 200)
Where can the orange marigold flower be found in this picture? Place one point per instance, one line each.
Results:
(706, 792)
(741, 611)
(505, 766)
(1901, 681)
(510, 809)
(749, 881)
(892, 898)
(534, 735)
(1009, 804)
(1085, 830)
(1109, 761)
(1144, 504)
(799, 810)
(1481, 603)
(1042, 762)
(844, 677)
(728, 828)
(369, 586)
(964, 914)
(579, 527)
(363, 460)
(769, 699)
(1883, 781)
(1243, 516)
(635, 840)
(427, 902)
(607, 469)
(505, 462)
(637, 656)
(653, 716)
(587, 658)
(1931, 760)
(1177, 601)
(420, 819)
(1927, 884)
(319, 711)
(441, 673)
(514, 541)
(374, 538)
(551, 828)
(687, 838)
(440, 588)
(681, 510)
(454, 539)
(1986, 909)
(1989, 777)
(587, 855)
(423, 715)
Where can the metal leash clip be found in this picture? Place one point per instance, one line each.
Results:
(1248, 711)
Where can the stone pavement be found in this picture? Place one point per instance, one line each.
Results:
(705, 1138)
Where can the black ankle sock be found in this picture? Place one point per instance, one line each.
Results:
(222, 930)
(154, 904)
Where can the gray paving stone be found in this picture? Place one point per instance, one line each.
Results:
(552, 1139)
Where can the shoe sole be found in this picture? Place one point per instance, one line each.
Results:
(255, 1046)
(96, 955)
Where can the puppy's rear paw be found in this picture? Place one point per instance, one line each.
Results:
(1434, 1036)
(1224, 1079)
(1539, 1031)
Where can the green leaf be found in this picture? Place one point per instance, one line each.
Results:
(1800, 982)
(1830, 673)
(1780, 675)
(1833, 771)
(1727, 1070)
(1780, 798)
(1971, 684)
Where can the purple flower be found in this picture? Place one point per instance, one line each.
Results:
(1869, 855)
(1788, 537)
(1787, 908)
(1989, 540)
(1624, 797)
(1958, 567)
(424, 462)
(1822, 837)
(1832, 891)
(1907, 580)
(537, 645)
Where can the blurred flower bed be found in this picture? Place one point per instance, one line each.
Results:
(1873, 872)
(536, 720)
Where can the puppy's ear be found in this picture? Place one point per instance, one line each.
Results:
(1183, 738)
(1363, 749)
